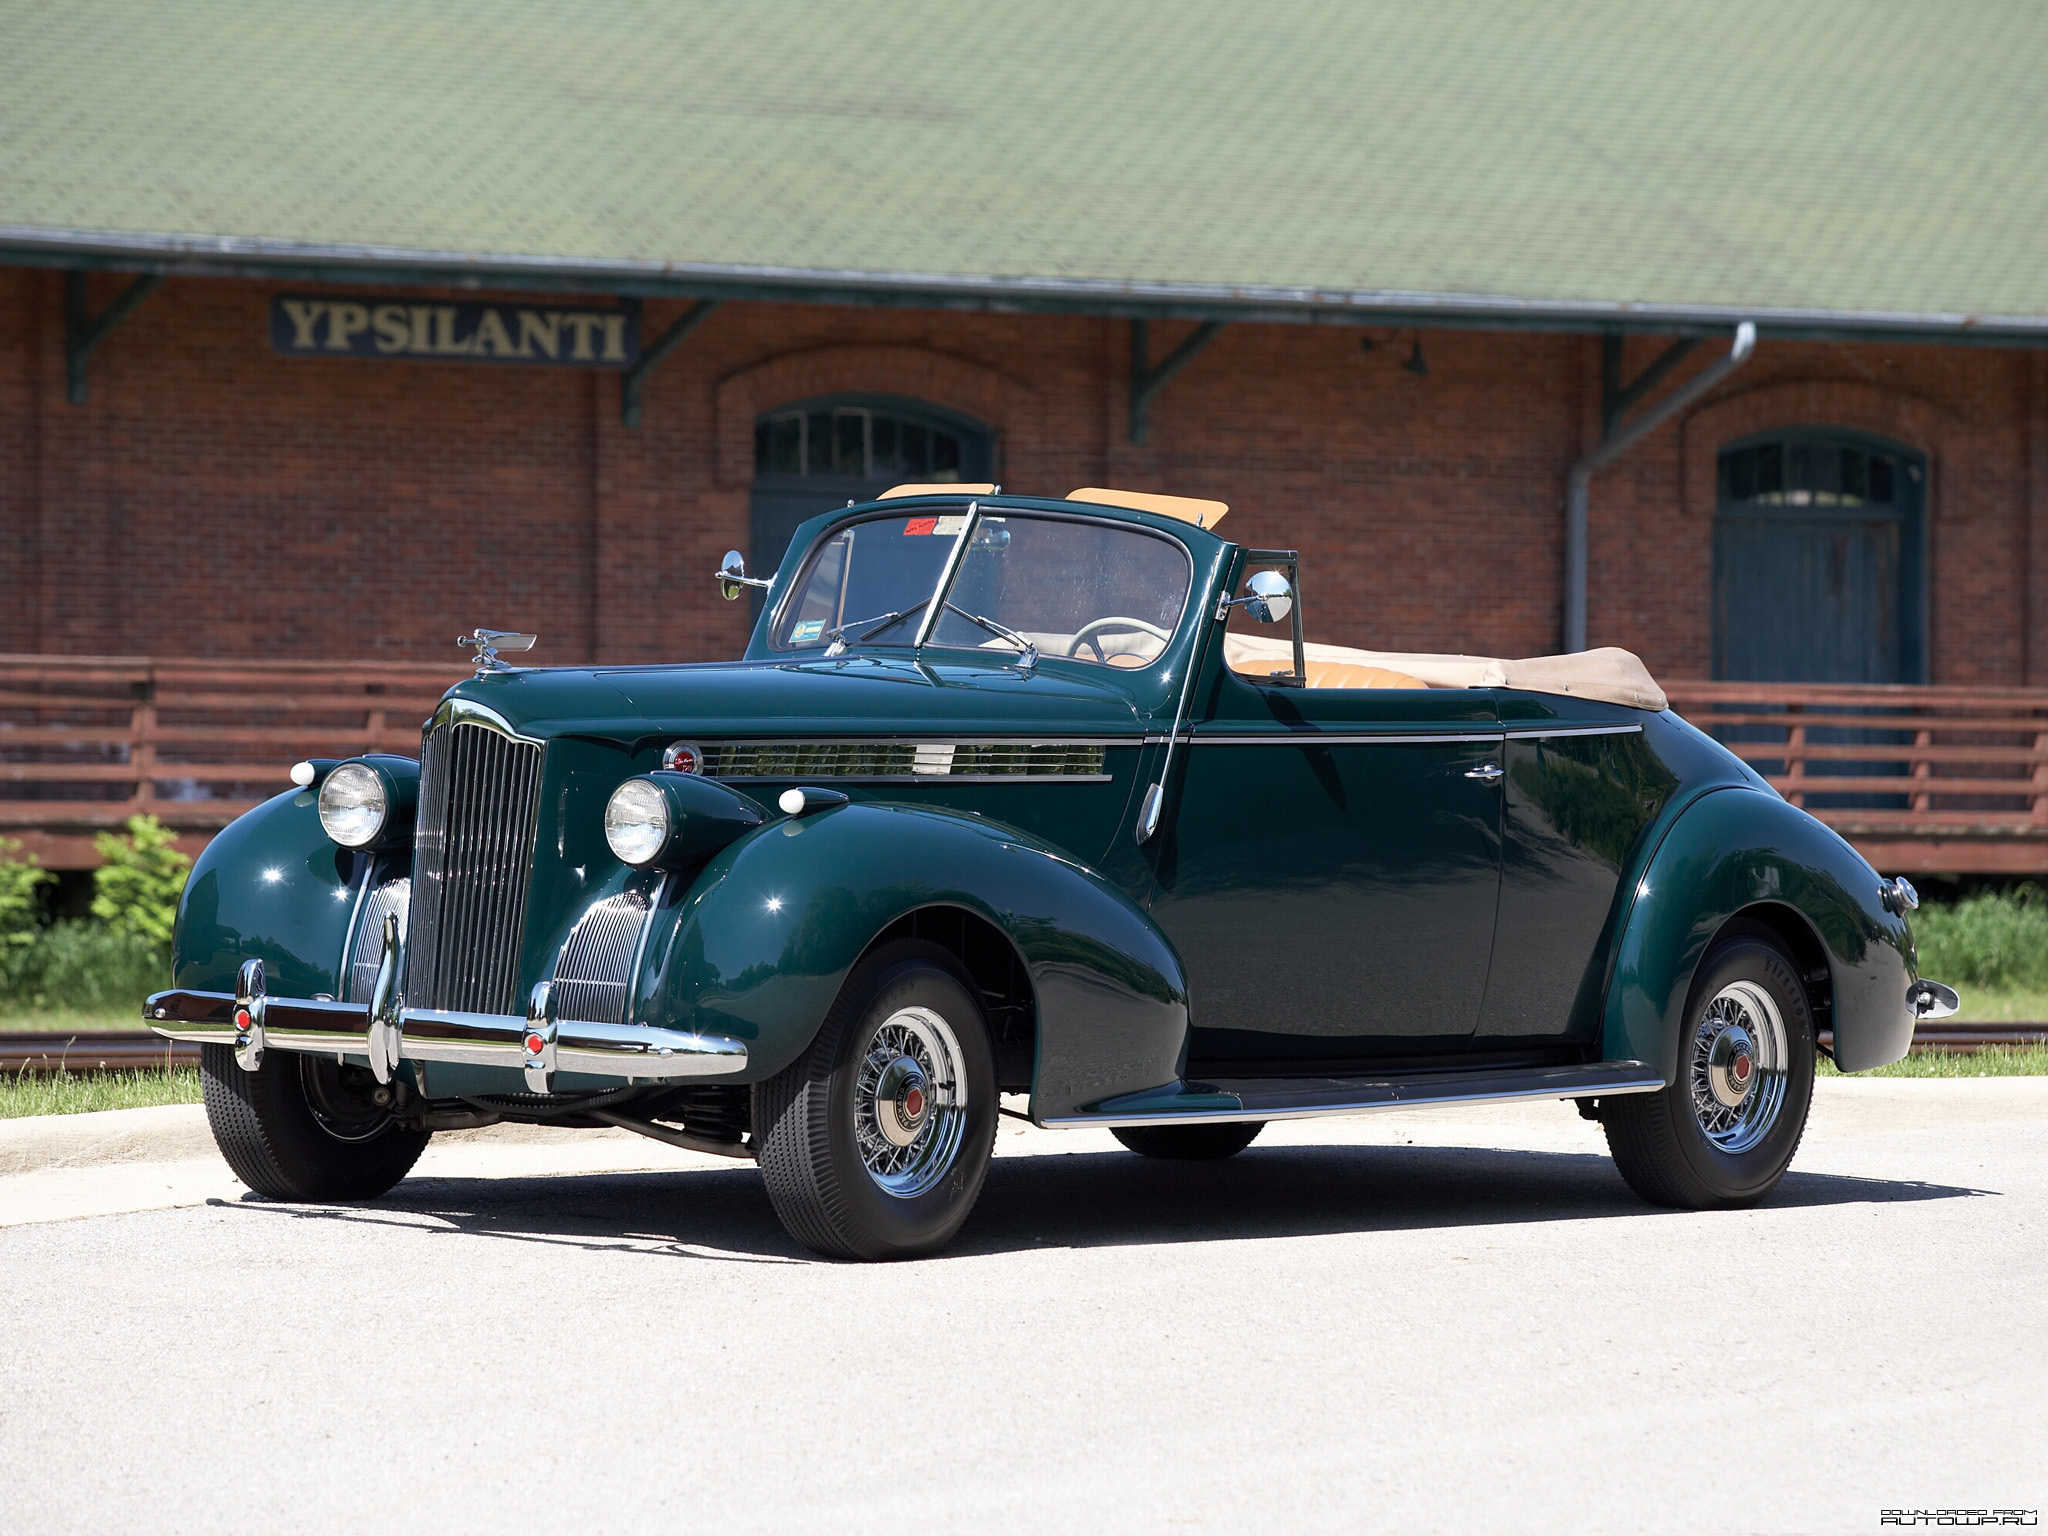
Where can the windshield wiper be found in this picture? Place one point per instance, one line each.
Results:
(879, 622)
(1025, 661)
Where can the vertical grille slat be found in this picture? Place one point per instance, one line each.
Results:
(472, 859)
(591, 978)
(366, 952)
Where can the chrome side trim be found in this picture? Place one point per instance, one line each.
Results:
(1534, 734)
(1337, 739)
(911, 760)
(631, 1051)
(1269, 1100)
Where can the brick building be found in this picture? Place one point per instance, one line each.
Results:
(1377, 279)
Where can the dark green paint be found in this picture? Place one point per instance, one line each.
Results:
(1738, 850)
(272, 886)
(1304, 901)
(758, 945)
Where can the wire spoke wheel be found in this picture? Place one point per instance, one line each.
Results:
(910, 1102)
(875, 1143)
(1723, 1131)
(1738, 1066)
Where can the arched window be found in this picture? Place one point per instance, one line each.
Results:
(813, 455)
(1818, 559)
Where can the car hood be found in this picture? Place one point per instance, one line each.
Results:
(850, 696)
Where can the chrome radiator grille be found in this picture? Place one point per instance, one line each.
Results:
(366, 953)
(592, 975)
(472, 856)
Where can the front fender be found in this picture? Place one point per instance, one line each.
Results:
(1735, 849)
(272, 886)
(761, 942)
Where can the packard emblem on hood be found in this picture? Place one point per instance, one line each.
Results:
(488, 642)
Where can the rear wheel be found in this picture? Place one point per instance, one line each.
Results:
(874, 1143)
(302, 1127)
(1723, 1134)
(1189, 1143)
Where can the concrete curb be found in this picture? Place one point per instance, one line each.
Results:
(178, 1132)
(166, 1133)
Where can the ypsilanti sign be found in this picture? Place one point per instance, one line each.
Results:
(563, 336)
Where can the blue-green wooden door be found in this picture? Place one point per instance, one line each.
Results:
(814, 455)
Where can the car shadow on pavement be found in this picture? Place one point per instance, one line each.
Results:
(1083, 1199)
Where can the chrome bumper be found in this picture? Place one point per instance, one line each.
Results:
(426, 1034)
(387, 1032)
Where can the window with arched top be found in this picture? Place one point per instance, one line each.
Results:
(1819, 559)
(813, 455)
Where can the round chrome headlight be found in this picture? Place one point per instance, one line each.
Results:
(353, 805)
(636, 821)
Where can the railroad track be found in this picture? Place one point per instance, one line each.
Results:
(127, 1050)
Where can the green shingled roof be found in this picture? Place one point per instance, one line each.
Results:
(1827, 159)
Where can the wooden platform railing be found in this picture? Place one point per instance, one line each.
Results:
(1934, 779)
(87, 742)
(1920, 779)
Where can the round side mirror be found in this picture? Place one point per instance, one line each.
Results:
(1267, 597)
(732, 575)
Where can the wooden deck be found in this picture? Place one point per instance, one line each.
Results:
(87, 742)
(1922, 780)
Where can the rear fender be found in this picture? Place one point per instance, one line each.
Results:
(759, 944)
(1735, 850)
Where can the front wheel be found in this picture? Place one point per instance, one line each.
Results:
(1723, 1134)
(302, 1127)
(875, 1142)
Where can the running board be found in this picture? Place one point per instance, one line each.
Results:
(1300, 1098)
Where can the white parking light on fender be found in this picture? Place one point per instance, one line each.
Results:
(803, 801)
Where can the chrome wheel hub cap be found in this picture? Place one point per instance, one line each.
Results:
(910, 1103)
(1739, 1062)
(902, 1098)
(1731, 1067)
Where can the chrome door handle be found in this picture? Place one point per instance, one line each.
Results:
(1490, 774)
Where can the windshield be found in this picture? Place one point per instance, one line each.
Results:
(1095, 592)
(872, 579)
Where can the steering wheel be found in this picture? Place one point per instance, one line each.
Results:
(1086, 634)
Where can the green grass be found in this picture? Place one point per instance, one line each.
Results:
(1992, 1061)
(69, 1021)
(69, 1094)
(1990, 939)
(2000, 1005)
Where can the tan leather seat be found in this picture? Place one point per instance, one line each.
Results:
(1336, 674)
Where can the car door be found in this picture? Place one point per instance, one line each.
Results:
(1580, 787)
(1329, 872)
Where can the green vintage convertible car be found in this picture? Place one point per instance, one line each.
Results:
(1040, 797)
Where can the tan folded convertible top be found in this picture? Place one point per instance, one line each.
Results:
(1609, 674)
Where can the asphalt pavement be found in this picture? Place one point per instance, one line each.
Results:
(1425, 1321)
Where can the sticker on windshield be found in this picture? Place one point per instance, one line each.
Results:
(939, 525)
(809, 629)
(951, 524)
(921, 525)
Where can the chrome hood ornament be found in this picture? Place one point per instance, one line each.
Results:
(488, 642)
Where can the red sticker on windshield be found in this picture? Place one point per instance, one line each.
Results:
(921, 525)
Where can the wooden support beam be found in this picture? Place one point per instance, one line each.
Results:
(1147, 381)
(651, 356)
(82, 333)
(1618, 399)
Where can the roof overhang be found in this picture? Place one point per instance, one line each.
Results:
(291, 260)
